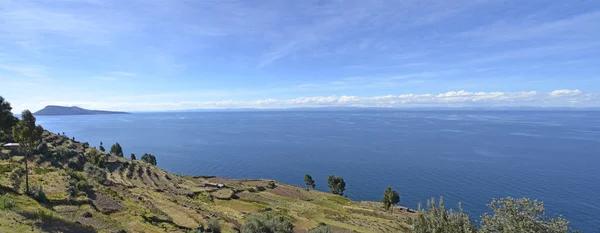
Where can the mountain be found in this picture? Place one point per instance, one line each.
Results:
(62, 110)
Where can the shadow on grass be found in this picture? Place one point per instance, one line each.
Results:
(51, 223)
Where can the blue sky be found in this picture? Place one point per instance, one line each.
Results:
(164, 55)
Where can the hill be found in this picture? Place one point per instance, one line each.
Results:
(62, 110)
(135, 196)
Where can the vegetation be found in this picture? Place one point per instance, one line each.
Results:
(390, 198)
(97, 158)
(116, 149)
(7, 120)
(149, 158)
(213, 225)
(509, 215)
(37, 193)
(267, 223)
(336, 185)
(95, 173)
(132, 157)
(439, 219)
(520, 215)
(322, 228)
(15, 178)
(6, 203)
(310, 183)
(28, 135)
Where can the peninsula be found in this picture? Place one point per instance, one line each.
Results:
(52, 110)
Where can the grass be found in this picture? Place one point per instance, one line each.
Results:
(178, 202)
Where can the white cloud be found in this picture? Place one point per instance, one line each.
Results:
(557, 98)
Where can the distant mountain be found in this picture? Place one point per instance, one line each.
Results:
(52, 110)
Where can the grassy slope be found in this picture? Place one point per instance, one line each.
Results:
(145, 198)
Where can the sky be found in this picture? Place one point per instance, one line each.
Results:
(156, 55)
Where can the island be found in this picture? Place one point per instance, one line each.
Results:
(52, 110)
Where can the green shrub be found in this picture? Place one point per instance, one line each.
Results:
(439, 219)
(95, 173)
(6, 203)
(520, 215)
(213, 225)
(267, 224)
(82, 185)
(38, 194)
(322, 228)
(71, 193)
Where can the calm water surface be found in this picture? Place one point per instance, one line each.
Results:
(469, 157)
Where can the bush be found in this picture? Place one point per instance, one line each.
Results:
(6, 203)
(15, 178)
(42, 149)
(82, 185)
(71, 193)
(63, 153)
(438, 219)
(322, 228)
(75, 163)
(213, 225)
(95, 173)
(267, 224)
(38, 194)
(520, 215)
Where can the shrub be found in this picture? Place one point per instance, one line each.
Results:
(15, 178)
(82, 185)
(6, 203)
(75, 163)
(322, 228)
(38, 194)
(71, 193)
(271, 184)
(520, 215)
(267, 224)
(438, 219)
(95, 173)
(64, 153)
(42, 149)
(213, 225)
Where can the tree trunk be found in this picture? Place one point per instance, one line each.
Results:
(26, 176)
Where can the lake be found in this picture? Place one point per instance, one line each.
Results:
(465, 156)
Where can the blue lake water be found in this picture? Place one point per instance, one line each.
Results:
(465, 156)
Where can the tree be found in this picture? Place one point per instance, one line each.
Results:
(520, 215)
(28, 135)
(101, 148)
(310, 183)
(267, 224)
(149, 158)
(438, 219)
(132, 156)
(390, 198)
(7, 120)
(116, 149)
(336, 185)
